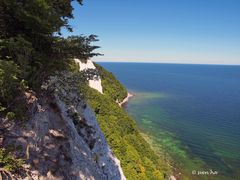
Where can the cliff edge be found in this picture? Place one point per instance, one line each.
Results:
(76, 130)
(62, 139)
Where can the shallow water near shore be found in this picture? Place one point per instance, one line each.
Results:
(188, 112)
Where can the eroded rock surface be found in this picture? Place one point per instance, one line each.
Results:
(62, 139)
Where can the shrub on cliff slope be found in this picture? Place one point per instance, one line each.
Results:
(11, 91)
(9, 162)
(9, 81)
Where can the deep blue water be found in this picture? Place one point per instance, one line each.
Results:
(190, 111)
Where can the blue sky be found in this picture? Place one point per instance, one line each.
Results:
(169, 31)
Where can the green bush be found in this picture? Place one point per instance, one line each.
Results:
(12, 102)
(2, 108)
(10, 116)
(8, 161)
(9, 81)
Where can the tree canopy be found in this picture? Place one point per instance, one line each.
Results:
(31, 44)
(30, 33)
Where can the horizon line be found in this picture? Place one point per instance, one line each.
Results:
(156, 62)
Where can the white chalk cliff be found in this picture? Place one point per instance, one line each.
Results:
(94, 83)
(62, 139)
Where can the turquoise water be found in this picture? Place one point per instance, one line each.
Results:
(190, 112)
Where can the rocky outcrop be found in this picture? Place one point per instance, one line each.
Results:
(125, 100)
(62, 139)
(95, 81)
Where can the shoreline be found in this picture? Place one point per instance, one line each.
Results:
(126, 99)
(174, 175)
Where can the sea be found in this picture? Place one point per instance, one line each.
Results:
(188, 113)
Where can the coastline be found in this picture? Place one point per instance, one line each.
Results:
(172, 176)
(126, 99)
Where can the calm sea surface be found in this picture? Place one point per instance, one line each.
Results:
(190, 112)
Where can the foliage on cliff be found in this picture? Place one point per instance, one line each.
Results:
(32, 48)
(8, 162)
(138, 160)
(111, 86)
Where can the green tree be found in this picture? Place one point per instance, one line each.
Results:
(30, 36)
(31, 45)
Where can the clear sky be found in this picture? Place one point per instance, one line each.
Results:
(169, 31)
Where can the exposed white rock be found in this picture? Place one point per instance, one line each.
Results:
(93, 83)
(125, 100)
(101, 146)
(84, 66)
(172, 177)
(96, 84)
(62, 139)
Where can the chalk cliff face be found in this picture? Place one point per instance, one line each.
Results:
(62, 139)
(95, 81)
